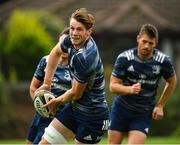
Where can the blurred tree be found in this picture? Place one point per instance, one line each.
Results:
(3, 1)
(109, 96)
(173, 111)
(52, 24)
(169, 125)
(3, 102)
(26, 40)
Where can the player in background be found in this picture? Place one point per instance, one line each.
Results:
(85, 118)
(135, 79)
(61, 82)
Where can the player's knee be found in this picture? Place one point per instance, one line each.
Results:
(52, 136)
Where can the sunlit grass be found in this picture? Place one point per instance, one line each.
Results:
(154, 140)
(150, 140)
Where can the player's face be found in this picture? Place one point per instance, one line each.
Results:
(146, 45)
(78, 33)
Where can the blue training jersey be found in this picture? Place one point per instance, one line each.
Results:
(131, 69)
(61, 81)
(86, 67)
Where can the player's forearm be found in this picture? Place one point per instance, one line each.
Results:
(167, 92)
(74, 93)
(35, 84)
(68, 96)
(51, 67)
(31, 91)
(119, 88)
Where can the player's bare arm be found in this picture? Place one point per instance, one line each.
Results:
(35, 84)
(52, 64)
(116, 86)
(72, 94)
(168, 90)
(51, 67)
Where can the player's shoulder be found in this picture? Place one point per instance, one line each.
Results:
(66, 43)
(89, 50)
(160, 57)
(90, 43)
(79, 57)
(43, 60)
(127, 54)
(67, 39)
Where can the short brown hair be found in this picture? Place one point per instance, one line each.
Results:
(150, 30)
(82, 16)
(65, 31)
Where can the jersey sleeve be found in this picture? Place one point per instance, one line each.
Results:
(65, 44)
(167, 68)
(120, 67)
(40, 73)
(81, 70)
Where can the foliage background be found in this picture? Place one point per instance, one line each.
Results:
(27, 36)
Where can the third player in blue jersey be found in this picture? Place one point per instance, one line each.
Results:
(135, 80)
(61, 82)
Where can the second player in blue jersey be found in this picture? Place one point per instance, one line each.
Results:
(85, 119)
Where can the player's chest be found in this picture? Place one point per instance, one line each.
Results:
(62, 75)
(143, 70)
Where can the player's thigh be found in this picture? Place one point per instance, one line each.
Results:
(115, 137)
(140, 123)
(32, 132)
(38, 137)
(90, 130)
(136, 137)
(60, 127)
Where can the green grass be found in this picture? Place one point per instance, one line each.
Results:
(155, 140)
(150, 140)
(163, 140)
(12, 141)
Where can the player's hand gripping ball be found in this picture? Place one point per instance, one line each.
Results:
(41, 97)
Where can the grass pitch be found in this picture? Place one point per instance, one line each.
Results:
(150, 140)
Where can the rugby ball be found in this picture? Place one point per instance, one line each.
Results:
(41, 97)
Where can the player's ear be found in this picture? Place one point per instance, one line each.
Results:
(155, 44)
(137, 38)
(89, 31)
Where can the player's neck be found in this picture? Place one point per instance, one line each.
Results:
(79, 46)
(145, 57)
(63, 61)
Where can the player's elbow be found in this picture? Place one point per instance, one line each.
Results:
(172, 81)
(175, 80)
(75, 95)
(31, 92)
(111, 88)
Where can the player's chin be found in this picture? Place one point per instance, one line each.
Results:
(76, 42)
